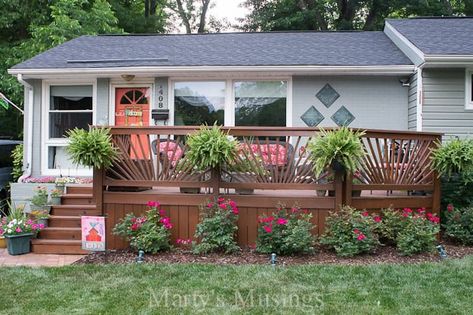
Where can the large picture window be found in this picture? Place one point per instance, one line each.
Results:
(197, 103)
(69, 107)
(260, 103)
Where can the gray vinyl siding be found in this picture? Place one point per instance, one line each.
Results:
(377, 102)
(412, 103)
(103, 101)
(444, 103)
(37, 97)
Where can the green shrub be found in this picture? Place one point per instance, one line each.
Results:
(411, 232)
(286, 232)
(350, 232)
(17, 156)
(210, 147)
(217, 228)
(40, 198)
(91, 148)
(342, 145)
(150, 232)
(459, 224)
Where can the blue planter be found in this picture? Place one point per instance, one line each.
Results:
(19, 244)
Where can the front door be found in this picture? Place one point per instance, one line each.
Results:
(132, 106)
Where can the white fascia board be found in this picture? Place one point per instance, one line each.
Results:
(288, 70)
(405, 45)
(448, 60)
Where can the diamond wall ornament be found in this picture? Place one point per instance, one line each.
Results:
(312, 117)
(343, 117)
(327, 95)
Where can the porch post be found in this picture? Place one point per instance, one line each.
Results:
(339, 189)
(98, 189)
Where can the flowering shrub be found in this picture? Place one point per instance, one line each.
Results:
(459, 224)
(285, 232)
(411, 231)
(217, 227)
(150, 232)
(351, 232)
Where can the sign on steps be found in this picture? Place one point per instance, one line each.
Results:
(93, 233)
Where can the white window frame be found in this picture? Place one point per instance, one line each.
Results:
(229, 110)
(47, 142)
(468, 87)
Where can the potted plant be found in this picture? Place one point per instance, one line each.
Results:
(56, 196)
(339, 149)
(40, 199)
(61, 182)
(246, 167)
(92, 148)
(41, 217)
(18, 231)
(3, 242)
(209, 149)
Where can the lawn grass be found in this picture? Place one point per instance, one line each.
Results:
(429, 288)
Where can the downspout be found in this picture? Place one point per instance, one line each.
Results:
(420, 98)
(29, 136)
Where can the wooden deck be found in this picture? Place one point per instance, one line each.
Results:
(397, 164)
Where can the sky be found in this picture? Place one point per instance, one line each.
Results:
(228, 9)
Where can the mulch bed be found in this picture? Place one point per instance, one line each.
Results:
(384, 255)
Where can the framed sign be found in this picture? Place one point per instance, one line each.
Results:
(93, 233)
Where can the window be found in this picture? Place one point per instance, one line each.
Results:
(66, 107)
(469, 89)
(69, 107)
(197, 103)
(260, 103)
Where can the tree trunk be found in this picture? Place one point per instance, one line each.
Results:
(152, 7)
(183, 15)
(203, 14)
(146, 8)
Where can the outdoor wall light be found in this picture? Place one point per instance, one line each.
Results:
(128, 77)
(442, 251)
(273, 260)
(140, 257)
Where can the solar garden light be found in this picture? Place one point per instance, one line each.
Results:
(140, 257)
(442, 251)
(273, 260)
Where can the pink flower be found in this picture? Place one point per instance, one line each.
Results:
(222, 206)
(356, 231)
(165, 220)
(18, 230)
(407, 210)
(361, 237)
(450, 207)
(220, 200)
(168, 226)
(294, 209)
(268, 228)
(41, 226)
(405, 214)
(153, 204)
(210, 205)
(365, 213)
(162, 212)
(377, 219)
(1, 231)
(235, 210)
(282, 221)
(134, 227)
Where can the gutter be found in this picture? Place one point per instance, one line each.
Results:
(29, 136)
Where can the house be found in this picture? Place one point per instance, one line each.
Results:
(414, 75)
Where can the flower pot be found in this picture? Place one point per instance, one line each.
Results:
(43, 222)
(61, 188)
(337, 166)
(356, 193)
(19, 244)
(321, 193)
(55, 201)
(3, 242)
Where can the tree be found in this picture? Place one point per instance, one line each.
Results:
(192, 13)
(141, 16)
(270, 15)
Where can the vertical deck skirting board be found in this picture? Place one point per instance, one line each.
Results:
(444, 103)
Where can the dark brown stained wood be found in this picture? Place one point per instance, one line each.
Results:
(397, 162)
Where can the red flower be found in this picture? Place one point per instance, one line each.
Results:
(235, 210)
(268, 228)
(356, 231)
(134, 227)
(223, 206)
(450, 207)
(365, 213)
(407, 210)
(221, 200)
(153, 204)
(210, 205)
(405, 214)
(282, 221)
(361, 237)
(377, 219)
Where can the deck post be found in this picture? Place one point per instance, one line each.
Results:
(348, 184)
(215, 180)
(339, 190)
(436, 195)
(98, 189)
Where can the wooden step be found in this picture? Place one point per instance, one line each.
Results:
(46, 246)
(74, 210)
(79, 189)
(64, 221)
(77, 199)
(60, 233)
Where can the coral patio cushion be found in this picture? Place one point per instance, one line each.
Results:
(271, 154)
(173, 151)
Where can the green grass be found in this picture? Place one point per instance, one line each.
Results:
(441, 288)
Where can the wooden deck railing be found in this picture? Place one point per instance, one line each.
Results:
(276, 166)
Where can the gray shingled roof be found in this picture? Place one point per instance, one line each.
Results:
(438, 36)
(225, 49)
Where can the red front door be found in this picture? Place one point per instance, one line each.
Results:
(132, 107)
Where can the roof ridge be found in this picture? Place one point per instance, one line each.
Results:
(241, 33)
(430, 18)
